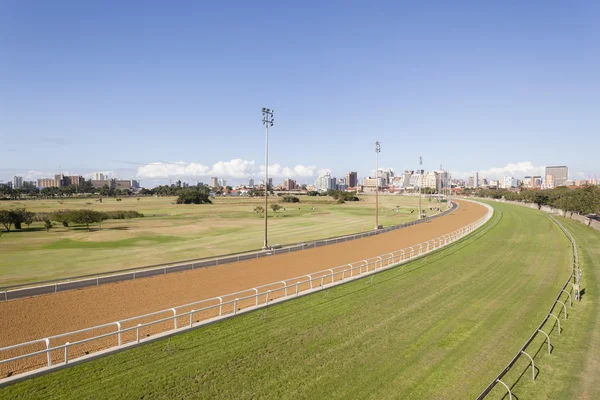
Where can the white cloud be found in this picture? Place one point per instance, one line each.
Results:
(235, 169)
(517, 170)
(277, 171)
(166, 170)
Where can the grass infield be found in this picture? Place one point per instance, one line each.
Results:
(440, 327)
(171, 232)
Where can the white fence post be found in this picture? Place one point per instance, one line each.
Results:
(48, 356)
(256, 296)
(174, 319)
(66, 353)
(191, 318)
(220, 306)
(138, 332)
(119, 331)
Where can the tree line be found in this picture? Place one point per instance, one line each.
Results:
(19, 216)
(585, 200)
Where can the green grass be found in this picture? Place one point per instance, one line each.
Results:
(177, 232)
(571, 370)
(441, 327)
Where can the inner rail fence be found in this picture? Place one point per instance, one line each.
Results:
(78, 282)
(553, 316)
(59, 350)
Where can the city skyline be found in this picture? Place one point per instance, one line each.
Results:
(473, 87)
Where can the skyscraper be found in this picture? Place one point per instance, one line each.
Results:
(352, 179)
(559, 175)
(17, 182)
(214, 182)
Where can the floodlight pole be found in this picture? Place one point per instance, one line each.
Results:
(377, 151)
(420, 180)
(267, 120)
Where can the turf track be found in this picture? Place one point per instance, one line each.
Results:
(440, 327)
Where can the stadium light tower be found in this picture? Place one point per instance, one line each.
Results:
(267, 120)
(420, 180)
(377, 151)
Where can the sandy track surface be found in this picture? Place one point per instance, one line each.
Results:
(38, 317)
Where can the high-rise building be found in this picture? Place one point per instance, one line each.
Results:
(559, 175)
(471, 183)
(251, 183)
(509, 182)
(477, 179)
(99, 176)
(271, 182)
(214, 182)
(17, 182)
(351, 179)
(222, 182)
(289, 184)
(325, 182)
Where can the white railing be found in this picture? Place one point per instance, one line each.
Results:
(59, 350)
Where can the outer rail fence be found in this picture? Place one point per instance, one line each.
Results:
(78, 282)
(550, 316)
(58, 351)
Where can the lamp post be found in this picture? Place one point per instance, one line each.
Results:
(377, 151)
(267, 121)
(420, 180)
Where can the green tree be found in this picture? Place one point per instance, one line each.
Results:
(275, 207)
(259, 210)
(194, 196)
(48, 225)
(87, 217)
(290, 199)
(6, 219)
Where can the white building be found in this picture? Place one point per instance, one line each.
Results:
(99, 176)
(509, 182)
(17, 182)
(325, 182)
(431, 180)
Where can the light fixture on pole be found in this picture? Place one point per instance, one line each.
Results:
(377, 151)
(420, 180)
(267, 121)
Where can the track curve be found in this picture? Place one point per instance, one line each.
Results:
(37, 317)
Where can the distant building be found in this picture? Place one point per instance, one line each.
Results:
(17, 182)
(214, 182)
(48, 182)
(251, 183)
(477, 179)
(471, 182)
(509, 182)
(99, 176)
(100, 183)
(352, 179)
(271, 182)
(559, 175)
(431, 180)
(325, 182)
(135, 184)
(289, 184)
(222, 182)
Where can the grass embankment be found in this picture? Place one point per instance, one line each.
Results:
(440, 327)
(571, 370)
(172, 232)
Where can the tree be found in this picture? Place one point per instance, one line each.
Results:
(5, 219)
(540, 199)
(87, 217)
(63, 217)
(194, 196)
(275, 207)
(290, 199)
(48, 225)
(259, 210)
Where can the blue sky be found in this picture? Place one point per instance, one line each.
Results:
(158, 90)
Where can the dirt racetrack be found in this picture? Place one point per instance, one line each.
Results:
(42, 316)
